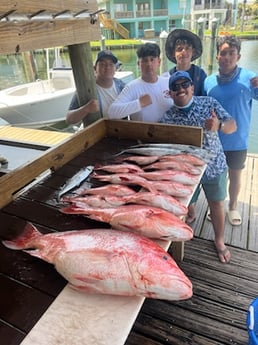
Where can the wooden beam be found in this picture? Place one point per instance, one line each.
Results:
(153, 132)
(28, 6)
(36, 35)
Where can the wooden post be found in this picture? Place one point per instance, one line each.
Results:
(83, 71)
(29, 66)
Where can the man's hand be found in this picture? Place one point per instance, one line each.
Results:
(92, 106)
(145, 100)
(254, 82)
(212, 124)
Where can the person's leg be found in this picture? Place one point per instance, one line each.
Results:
(236, 163)
(217, 214)
(215, 192)
(234, 186)
(190, 218)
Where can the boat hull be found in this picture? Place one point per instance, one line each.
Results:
(42, 103)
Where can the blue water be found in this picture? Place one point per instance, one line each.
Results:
(12, 72)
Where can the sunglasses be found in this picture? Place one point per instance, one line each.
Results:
(184, 85)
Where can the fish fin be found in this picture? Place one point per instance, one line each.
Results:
(24, 240)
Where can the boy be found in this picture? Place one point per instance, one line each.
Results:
(235, 88)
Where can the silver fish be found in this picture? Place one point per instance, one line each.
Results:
(167, 149)
(76, 180)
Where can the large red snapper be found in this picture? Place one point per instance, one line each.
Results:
(152, 222)
(108, 262)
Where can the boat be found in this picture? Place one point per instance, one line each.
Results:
(44, 102)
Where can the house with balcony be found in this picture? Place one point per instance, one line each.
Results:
(147, 18)
(213, 10)
(144, 18)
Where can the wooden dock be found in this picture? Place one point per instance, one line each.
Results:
(32, 136)
(244, 236)
(215, 315)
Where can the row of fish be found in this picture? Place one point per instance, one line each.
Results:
(154, 213)
(123, 260)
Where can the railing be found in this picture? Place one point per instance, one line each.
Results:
(207, 7)
(162, 12)
(112, 24)
(141, 14)
(127, 14)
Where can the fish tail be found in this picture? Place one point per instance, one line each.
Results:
(25, 239)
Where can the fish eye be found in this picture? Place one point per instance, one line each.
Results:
(165, 257)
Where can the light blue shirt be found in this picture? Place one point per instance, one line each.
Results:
(236, 97)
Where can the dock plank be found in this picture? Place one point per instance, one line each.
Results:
(216, 314)
(33, 136)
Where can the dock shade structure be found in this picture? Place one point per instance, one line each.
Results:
(29, 25)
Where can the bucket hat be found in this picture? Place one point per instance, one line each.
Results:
(182, 34)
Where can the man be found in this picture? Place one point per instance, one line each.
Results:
(145, 98)
(235, 88)
(201, 111)
(182, 47)
(108, 88)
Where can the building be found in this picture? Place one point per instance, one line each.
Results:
(148, 18)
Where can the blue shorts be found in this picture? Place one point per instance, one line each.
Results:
(236, 159)
(215, 189)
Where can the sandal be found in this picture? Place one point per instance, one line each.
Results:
(234, 217)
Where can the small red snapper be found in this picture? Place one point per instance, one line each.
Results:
(152, 222)
(108, 262)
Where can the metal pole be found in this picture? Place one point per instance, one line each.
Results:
(243, 16)
(214, 25)
(164, 62)
(200, 33)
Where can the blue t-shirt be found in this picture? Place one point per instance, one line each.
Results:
(195, 115)
(236, 97)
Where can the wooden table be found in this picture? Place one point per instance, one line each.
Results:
(37, 307)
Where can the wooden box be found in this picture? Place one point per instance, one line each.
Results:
(57, 156)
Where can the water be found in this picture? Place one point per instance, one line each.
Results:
(12, 71)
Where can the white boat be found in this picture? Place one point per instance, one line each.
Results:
(44, 102)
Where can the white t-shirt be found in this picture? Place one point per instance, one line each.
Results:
(107, 96)
(128, 104)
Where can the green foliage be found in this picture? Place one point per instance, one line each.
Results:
(118, 43)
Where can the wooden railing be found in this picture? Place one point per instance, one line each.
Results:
(114, 25)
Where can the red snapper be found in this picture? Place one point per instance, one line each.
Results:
(108, 262)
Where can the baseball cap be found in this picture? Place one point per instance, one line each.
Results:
(106, 54)
(178, 75)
